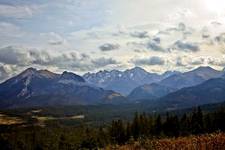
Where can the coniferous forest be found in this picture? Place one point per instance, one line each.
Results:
(143, 127)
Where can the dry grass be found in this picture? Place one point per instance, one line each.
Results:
(203, 142)
(7, 120)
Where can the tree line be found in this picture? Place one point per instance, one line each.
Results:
(148, 126)
(119, 132)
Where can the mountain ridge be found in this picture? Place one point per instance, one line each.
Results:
(210, 91)
(34, 87)
(174, 83)
(125, 81)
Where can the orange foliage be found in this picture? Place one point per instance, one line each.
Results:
(214, 141)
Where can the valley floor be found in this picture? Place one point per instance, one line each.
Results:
(215, 141)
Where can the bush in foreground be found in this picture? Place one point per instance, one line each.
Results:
(215, 141)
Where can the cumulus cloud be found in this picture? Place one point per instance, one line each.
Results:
(186, 46)
(220, 38)
(180, 28)
(3, 73)
(136, 45)
(216, 23)
(205, 35)
(180, 62)
(23, 57)
(216, 61)
(102, 62)
(13, 55)
(109, 47)
(170, 33)
(154, 60)
(139, 34)
(155, 46)
(157, 40)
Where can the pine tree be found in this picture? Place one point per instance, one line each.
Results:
(62, 143)
(184, 125)
(135, 127)
(208, 124)
(171, 126)
(117, 132)
(102, 138)
(158, 126)
(219, 119)
(89, 142)
(128, 131)
(197, 121)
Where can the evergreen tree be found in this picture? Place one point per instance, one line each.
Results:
(88, 142)
(143, 125)
(135, 127)
(197, 122)
(208, 124)
(102, 138)
(117, 132)
(184, 125)
(62, 143)
(158, 126)
(171, 126)
(219, 119)
(128, 131)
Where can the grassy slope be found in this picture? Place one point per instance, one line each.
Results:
(214, 141)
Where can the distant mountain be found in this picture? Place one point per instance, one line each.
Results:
(170, 73)
(41, 87)
(124, 81)
(173, 82)
(191, 78)
(211, 91)
(150, 91)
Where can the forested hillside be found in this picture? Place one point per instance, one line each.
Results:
(143, 127)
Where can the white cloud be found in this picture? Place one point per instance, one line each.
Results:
(109, 47)
(179, 31)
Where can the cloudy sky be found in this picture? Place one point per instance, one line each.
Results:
(92, 35)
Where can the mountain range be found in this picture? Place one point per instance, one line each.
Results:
(41, 87)
(172, 90)
(125, 81)
(173, 83)
(210, 91)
